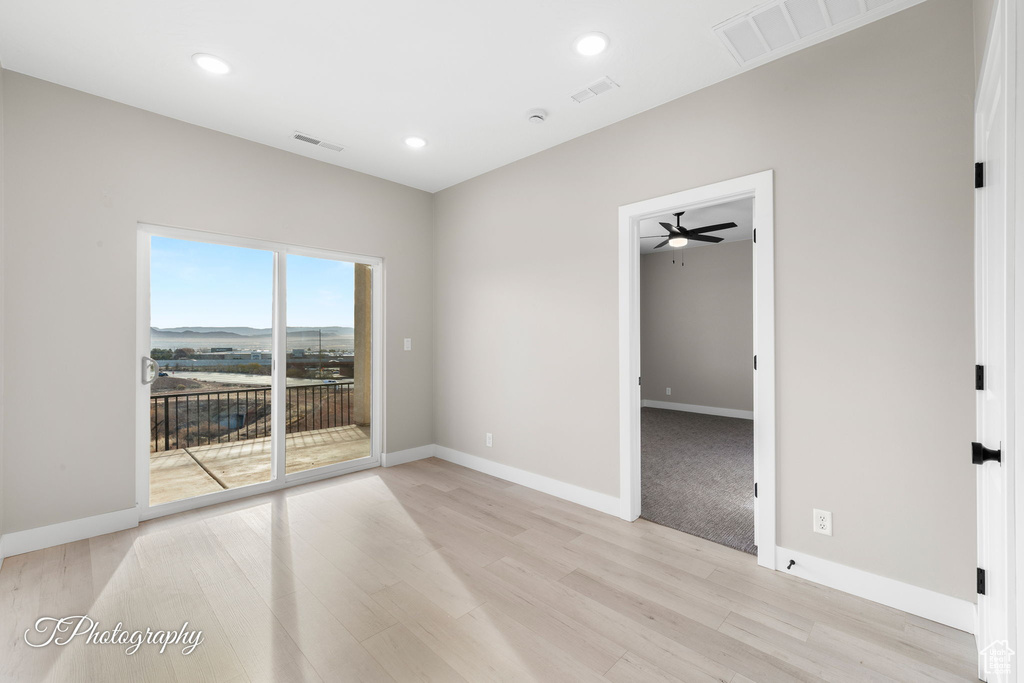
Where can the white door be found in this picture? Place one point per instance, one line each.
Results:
(993, 213)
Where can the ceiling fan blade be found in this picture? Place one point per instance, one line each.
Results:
(672, 230)
(711, 228)
(647, 237)
(661, 245)
(705, 238)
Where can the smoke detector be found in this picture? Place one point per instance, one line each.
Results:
(316, 141)
(536, 116)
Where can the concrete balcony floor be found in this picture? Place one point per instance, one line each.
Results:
(193, 471)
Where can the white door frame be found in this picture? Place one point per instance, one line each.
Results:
(1000, 539)
(279, 477)
(760, 187)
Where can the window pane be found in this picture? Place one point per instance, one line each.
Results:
(328, 345)
(210, 316)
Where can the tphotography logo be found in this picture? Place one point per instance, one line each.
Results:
(997, 658)
(54, 631)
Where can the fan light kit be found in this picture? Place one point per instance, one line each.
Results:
(677, 241)
(416, 143)
(590, 44)
(211, 64)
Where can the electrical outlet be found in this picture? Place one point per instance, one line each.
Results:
(668, 391)
(823, 522)
(490, 440)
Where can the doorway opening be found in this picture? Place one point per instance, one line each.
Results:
(697, 394)
(758, 190)
(260, 367)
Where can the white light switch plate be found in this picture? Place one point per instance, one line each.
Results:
(408, 344)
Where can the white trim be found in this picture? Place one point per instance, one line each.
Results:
(19, 542)
(279, 370)
(945, 609)
(601, 502)
(760, 187)
(408, 455)
(703, 410)
(1015, 304)
(279, 478)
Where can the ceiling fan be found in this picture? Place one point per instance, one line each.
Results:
(678, 236)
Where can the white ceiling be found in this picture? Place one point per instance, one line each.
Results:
(460, 73)
(740, 212)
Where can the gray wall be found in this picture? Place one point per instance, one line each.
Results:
(697, 326)
(85, 171)
(870, 137)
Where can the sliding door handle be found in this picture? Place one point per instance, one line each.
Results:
(150, 369)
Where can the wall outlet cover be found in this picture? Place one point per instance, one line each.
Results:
(823, 522)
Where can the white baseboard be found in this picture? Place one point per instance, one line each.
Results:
(955, 612)
(703, 410)
(19, 542)
(408, 455)
(601, 502)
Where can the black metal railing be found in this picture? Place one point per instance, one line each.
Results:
(203, 418)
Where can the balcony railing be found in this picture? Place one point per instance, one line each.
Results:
(204, 418)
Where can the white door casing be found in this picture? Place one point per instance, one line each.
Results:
(760, 187)
(994, 217)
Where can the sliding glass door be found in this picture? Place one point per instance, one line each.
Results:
(328, 404)
(258, 366)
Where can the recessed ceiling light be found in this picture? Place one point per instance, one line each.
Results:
(590, 44)
(214, 65)
(415, 142)
(677, 242)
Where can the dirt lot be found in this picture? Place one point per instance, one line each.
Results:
(178, 385)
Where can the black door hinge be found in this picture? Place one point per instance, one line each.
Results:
(980, 455)
(979, 377)
(755, 489)
(639, 381)
(755, 235)
(979, 174)
(981, 581)
(755, 361)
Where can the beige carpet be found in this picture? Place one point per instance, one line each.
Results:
(697, 475)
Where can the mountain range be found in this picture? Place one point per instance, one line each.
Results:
(223, 332)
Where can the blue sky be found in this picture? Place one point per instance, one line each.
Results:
(210, 285)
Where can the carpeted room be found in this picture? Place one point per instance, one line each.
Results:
(697, 443)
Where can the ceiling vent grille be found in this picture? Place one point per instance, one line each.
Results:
(594, 89)
(316, 141)
(786, 25)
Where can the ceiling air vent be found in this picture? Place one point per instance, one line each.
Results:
(317, 141)
(784, 26)
(595, 89)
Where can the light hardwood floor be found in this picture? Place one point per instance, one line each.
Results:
(432, 572)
